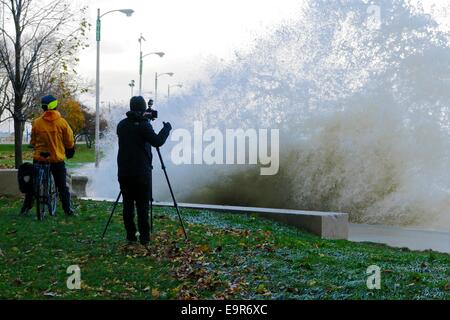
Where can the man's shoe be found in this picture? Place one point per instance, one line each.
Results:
(132, 240)
(146, 246)
(70, 213)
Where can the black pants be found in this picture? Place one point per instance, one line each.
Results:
(59, 175)
(136, 191)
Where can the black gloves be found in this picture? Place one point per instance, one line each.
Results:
(70, 153)
(167, 125)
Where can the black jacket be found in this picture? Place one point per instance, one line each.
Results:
(136, 137)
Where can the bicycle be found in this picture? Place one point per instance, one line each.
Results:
(44, 188)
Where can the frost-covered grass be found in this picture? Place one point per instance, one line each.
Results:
(227, 256)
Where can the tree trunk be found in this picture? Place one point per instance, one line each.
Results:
(18, 89)
(18, 137)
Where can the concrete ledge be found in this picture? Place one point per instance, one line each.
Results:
(9, 186)
(79, 184)
(328, 225)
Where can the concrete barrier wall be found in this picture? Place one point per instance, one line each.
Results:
(9, 185)
(328, 225)
(79, 184)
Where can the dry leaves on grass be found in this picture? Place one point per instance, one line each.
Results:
(192, 264)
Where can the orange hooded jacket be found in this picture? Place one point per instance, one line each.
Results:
(51, 133)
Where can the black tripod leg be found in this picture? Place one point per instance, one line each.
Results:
(179, 217)
(112, 213)
(151, 202)
(151, 215)
(171, 192)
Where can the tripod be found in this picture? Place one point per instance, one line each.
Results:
(175, 204)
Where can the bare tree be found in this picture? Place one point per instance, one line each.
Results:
(5, 102)
(38, 40)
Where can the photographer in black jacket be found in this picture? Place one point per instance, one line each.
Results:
(136, 137)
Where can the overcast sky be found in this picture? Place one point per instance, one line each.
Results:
(187, 31)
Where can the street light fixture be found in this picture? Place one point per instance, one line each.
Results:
(160, 54)
(128, 13)
(170, 74)
(179, 85)
(131, 84)
(141, 61)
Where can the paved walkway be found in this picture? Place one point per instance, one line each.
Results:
(413, 239)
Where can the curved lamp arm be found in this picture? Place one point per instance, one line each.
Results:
(160, 54)
(128, 12)
(165, 74)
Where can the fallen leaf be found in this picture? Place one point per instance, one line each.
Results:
(312, 283)
(176, 289)
(261, 289)
(51, 294)
(204, 248)
(155, 293)
(334, 288)
(180, 232)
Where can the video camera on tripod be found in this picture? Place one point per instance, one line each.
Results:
(151, 114)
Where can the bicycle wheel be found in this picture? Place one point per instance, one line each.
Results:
(52, 196)
(40, 195)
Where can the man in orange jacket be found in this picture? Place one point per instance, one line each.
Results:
(52, 134)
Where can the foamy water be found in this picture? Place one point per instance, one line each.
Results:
(362, 113)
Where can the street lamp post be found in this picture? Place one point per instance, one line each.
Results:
(131, 84)
(170, 74)
(128, 13)
(179, 85)
(141, 61)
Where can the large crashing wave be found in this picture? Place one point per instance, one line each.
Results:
(362, 113)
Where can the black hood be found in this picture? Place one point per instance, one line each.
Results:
(138, 104)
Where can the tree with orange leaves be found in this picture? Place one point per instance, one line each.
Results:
(71, 110)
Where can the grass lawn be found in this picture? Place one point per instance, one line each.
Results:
(227, 256)
(83, 155)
